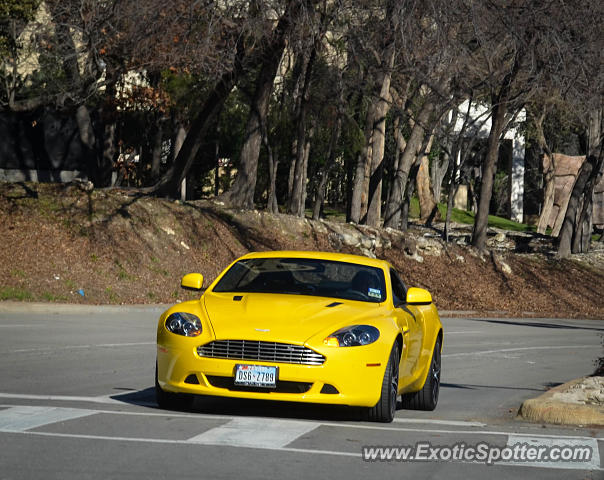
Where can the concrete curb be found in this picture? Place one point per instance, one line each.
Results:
(547, 409)
(75, 308)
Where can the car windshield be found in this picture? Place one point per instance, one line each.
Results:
(305, 276)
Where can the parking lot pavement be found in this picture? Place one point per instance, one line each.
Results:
(77, 401)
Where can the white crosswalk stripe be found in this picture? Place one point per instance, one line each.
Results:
(20, 419)
(255, 432)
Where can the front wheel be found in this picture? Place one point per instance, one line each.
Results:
(427, 397)
(384, 410)
(171, 401)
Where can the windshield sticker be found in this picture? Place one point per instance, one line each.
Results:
(374, 293)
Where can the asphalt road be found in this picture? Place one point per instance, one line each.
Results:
(76, 401)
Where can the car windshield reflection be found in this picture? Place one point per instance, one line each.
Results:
(301, 276)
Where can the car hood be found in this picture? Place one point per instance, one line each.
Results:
(281, 317)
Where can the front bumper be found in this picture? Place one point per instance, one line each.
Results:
(349, 376)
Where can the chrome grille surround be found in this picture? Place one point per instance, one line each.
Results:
(260, 351)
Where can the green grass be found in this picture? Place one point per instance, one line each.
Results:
(122, 274)
(111, 294)
(463, 216)
(457, 216)
(18, 273)
(12, 293)
(49, 297)
(159, 271)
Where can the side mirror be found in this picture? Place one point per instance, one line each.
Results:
(418, 296)
(192, 281)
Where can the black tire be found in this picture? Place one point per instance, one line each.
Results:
(385, 408)
(427, 397)
(171, 401)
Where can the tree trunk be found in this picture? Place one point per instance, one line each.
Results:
(241, 193)
(109, 134)
(378, 140)
(479, 235)
(400, 143)
(88, 139)
(500, 104)
(424, 189)
(296, 200)
(450, 198)
(271, 203)
(392, 217)
(156, 150)
(329, 162)
(357, 188)
(170, 182)
(571, 225)
(549, 175)
(575, 234)
(309, 137)
(409, 189)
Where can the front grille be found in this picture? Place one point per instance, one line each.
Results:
(260, 351)
(281, 386)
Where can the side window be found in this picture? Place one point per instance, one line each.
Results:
(399, 292)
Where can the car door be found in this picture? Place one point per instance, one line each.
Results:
(409, 319)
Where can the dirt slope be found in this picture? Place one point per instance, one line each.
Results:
(135, 250)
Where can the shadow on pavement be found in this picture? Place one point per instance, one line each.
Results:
(245, 407)
(536, 324)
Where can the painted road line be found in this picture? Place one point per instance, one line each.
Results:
(63, 398)
(20, 325)
(460, 333)
(520, 349)
(20, 419)
(255, 433)
(334, 424)
(459, 423)
(453, 432)
(184, 442)
(79, 347)
(278, 450)
(565, 447)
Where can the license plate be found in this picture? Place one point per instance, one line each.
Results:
(256, 376)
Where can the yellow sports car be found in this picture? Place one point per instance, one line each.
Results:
(307, 327)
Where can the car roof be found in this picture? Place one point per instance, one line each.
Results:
(336, 257)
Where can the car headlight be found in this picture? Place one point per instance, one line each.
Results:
(182, 323)
(353, 336)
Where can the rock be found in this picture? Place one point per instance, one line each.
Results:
(335, 240)
(368, 253)
(350, 239)
(367, 242)
(319, 227)
(417, 258)
(462, 242)
(409, 245)
(501, 265)
(505, 268)
(429, 246)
